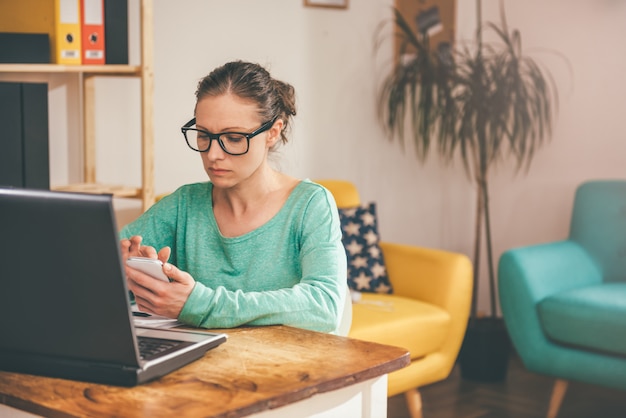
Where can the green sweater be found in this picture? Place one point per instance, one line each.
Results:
(291, 270)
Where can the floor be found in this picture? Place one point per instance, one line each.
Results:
(521, 395)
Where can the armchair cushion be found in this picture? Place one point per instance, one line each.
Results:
(590, 317)
(366, 265)
(420, 327)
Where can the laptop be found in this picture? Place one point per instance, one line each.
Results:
(65, 309)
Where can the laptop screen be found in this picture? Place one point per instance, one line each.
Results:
(63, 290)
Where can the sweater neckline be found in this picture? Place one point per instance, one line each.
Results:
(288, 203)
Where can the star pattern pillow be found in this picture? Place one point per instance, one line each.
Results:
(366, 266)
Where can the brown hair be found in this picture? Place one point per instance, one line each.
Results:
(275, 99)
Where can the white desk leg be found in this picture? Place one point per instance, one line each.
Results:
(376, 401)
(9, 412)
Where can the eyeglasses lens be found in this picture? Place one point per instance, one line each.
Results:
(231, 143)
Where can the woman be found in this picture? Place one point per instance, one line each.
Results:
(253, 245)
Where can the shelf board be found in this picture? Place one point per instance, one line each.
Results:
(97, 188)
(85, 69)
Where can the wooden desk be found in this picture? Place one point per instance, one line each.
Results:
(258, 369)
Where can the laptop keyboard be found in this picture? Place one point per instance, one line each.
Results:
(152, 347)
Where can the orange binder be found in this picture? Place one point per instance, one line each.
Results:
(92, 29)
(68, 33)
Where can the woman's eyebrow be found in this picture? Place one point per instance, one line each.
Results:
(224, 130)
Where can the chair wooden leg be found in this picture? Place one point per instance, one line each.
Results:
(414, 402)
(558, 392)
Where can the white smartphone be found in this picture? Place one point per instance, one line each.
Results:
(150, 266)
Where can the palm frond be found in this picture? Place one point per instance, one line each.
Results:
(484, 104)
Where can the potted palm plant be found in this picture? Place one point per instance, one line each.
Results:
(485, 102)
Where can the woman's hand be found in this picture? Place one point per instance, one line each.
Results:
(153, 295)
(158, 297)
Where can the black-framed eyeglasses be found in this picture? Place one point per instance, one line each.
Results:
(233, 143)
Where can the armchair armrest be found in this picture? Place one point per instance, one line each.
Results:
(546, 269)
(439, 277)
(527, 275)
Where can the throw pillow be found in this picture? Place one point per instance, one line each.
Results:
(366, 266)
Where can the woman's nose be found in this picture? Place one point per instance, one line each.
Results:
(215, 151)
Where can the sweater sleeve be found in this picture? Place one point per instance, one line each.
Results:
(314, 302)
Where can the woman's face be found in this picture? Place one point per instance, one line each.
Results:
(229, 113)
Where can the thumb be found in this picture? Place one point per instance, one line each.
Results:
(164, 254)
(175, 274)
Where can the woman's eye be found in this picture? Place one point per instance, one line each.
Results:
(233, 138)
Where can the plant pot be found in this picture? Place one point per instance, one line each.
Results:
(485, 352)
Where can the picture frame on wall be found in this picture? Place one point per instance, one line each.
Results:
(437, 17)
(336, 4)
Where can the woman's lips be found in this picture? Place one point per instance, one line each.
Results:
(217, 171)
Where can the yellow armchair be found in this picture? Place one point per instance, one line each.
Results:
(427, 313)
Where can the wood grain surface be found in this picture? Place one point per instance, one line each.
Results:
(258, 368)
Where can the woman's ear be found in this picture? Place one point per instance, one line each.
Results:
(274, 132)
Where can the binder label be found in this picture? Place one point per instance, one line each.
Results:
(69, 11)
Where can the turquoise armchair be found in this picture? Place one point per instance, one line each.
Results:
(564, 303)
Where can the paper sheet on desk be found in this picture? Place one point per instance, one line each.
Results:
(154, 321)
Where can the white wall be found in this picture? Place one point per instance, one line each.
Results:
(328, 56)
